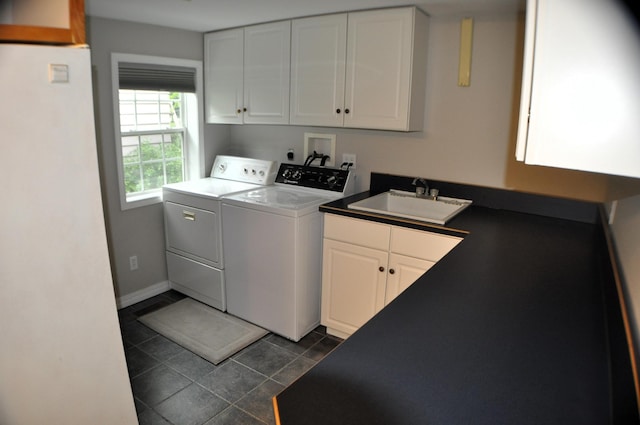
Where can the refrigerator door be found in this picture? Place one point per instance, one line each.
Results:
(60, 334)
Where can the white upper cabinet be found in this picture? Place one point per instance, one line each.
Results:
(318, 53)
(267, 53)
(386, 69)
(247, 74)
(580, 103)
(223, 73)
(361, 70)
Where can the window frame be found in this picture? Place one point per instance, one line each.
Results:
(194, 122)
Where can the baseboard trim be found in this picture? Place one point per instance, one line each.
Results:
(143, 294)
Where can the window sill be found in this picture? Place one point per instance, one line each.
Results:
(142, 200)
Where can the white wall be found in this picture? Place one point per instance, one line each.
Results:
(138, 231)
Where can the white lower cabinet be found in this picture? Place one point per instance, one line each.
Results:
(367, 264)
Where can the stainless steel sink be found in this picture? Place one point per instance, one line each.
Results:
(407, 205)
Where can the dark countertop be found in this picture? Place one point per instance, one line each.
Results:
(509, 328)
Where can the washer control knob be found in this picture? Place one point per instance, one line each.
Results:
(297, 175)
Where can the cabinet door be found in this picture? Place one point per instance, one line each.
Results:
(580, 103)
(223, 73)
(378, 75)
(403, 272)
(318, 50)
(353, 285)
(267, 50)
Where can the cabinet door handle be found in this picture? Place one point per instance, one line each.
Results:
(244, 109)
(381, 268)
(346, 111)
(391, 271)
(238, 111)
(188, 215)
(338, 111)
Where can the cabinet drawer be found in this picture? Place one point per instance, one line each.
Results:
(354, 231)
(419, 244)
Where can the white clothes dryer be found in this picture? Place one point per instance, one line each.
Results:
(193, 225)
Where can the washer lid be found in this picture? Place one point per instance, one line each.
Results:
(280, 199)
(210, 187)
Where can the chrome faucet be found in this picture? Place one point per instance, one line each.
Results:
(421, 192)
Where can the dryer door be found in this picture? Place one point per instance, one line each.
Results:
(193, 232)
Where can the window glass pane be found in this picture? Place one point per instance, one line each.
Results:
(173, 145)
(151, 147)
(175, 171)
(153, 175)
(132, 180)
(152, 139)
(130, 151)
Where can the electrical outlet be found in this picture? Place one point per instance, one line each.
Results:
(349, 158)
(133, 262)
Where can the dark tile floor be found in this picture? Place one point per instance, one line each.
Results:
(171, 385)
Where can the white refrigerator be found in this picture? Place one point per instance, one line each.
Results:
(61, 353)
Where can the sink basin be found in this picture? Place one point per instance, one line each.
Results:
(407, 205)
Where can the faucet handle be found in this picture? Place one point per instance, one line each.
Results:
(420, 191)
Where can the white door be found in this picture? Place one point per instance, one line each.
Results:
(378, 76)
(267, 54)
(223, 74)
(353, 285)
(318, 50)
(403, 272)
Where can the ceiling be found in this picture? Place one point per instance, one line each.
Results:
(209, 15)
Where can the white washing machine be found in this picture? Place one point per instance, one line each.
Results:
(273, 248)
(193, 225)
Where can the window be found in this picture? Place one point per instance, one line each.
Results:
(156, 114)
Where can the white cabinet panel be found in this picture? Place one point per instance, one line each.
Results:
(386, 69)
(266, 73)
(403, 272)
(247, 74)
(357, 232)
(318, 52)
(365, 265)
(579, 104)
(354, 280)
(223, 76)
(416, 243)
(361, 70)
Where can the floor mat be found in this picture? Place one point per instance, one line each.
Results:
(207, 332)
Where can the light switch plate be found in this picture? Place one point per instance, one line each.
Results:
(58, 73)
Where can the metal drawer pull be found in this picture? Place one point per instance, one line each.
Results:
(188, 215)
